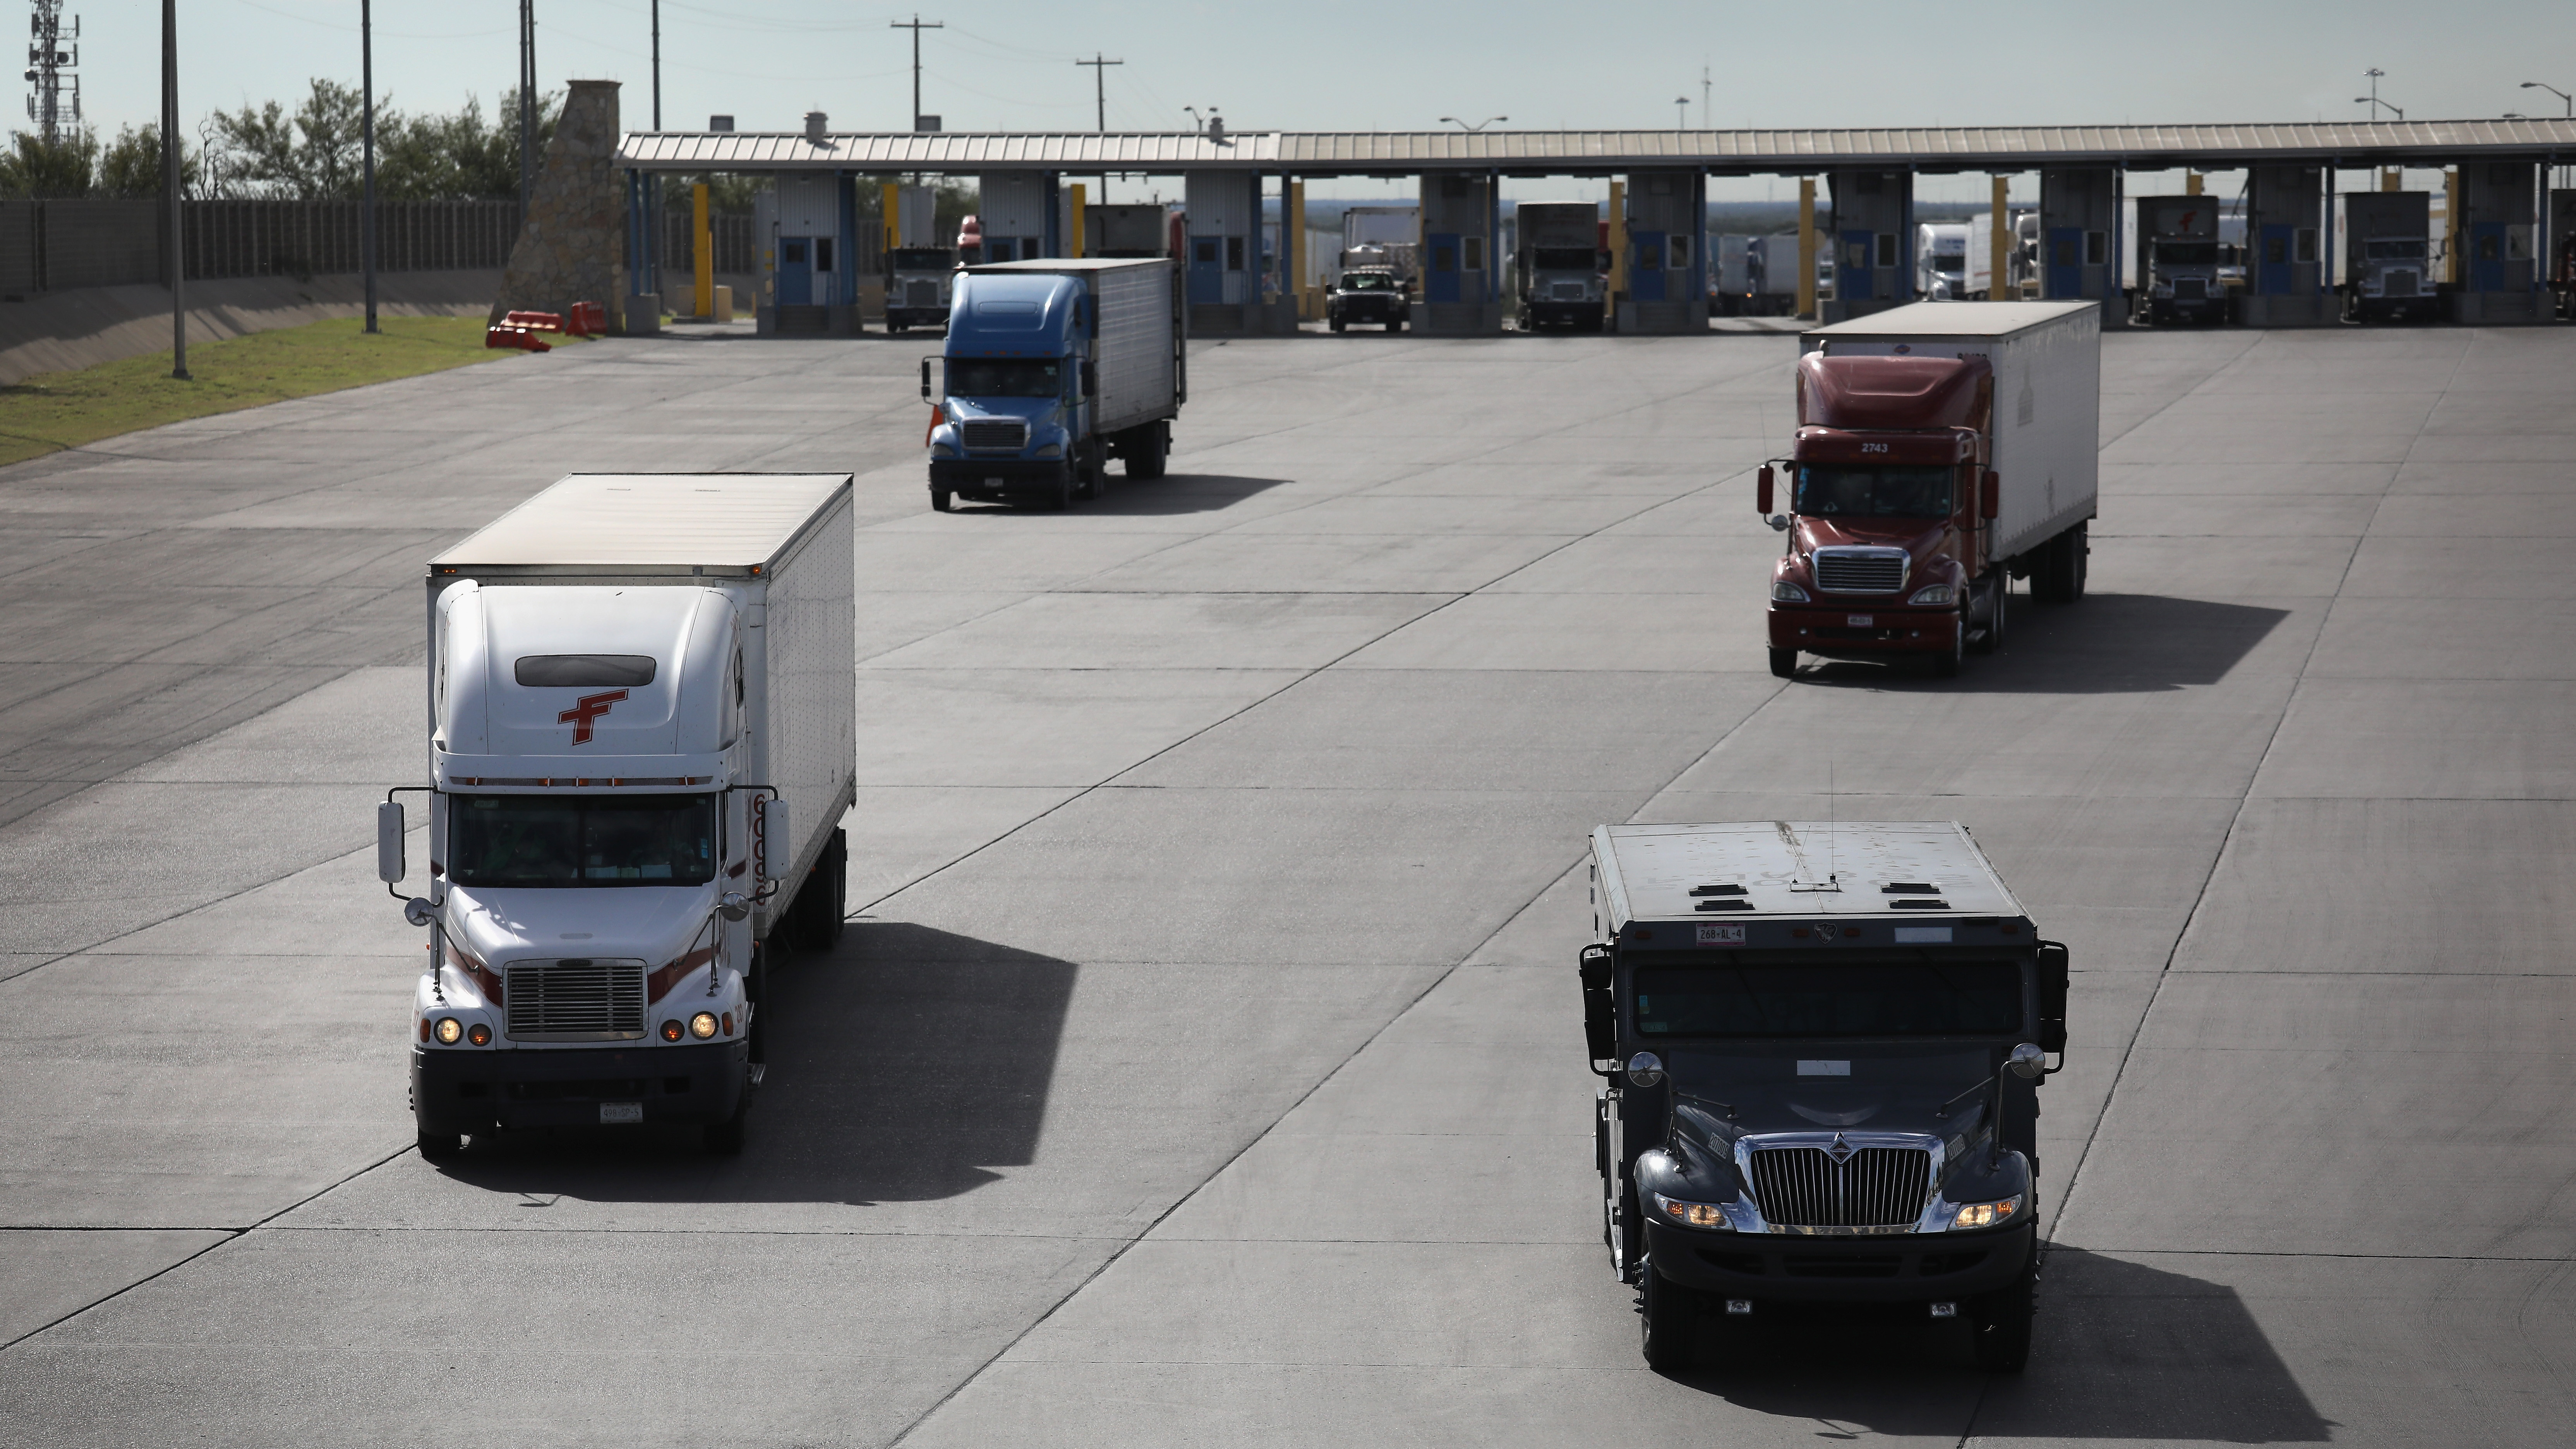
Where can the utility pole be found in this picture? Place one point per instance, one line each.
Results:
(916, 25)
(1704, 122)
(170, 186)
(1100, 98)
(657, 64)
(367, 130)
(527, 105)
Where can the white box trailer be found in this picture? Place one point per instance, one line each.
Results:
(2046, 438)
(642, 736)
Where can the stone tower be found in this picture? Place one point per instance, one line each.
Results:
(572, 246)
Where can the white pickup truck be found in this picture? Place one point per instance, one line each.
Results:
(641, 740)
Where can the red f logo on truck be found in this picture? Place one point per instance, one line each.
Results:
(590, 707)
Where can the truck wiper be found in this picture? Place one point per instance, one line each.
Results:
(1977, 1086)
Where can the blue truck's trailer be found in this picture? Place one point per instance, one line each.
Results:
(1054, 367)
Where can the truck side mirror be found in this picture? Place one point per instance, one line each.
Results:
(1600, 1024)
(389, 841)
(933, 388)
(1090, 380)
(1990, 494)
(1762, 491)
(2027, 1062)
(772, 838)
(2053, 983)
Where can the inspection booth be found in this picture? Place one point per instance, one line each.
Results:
(2079, 238)
(806, 226)
(1666, 227)
(2498, 279)
(2286, 275)
(1870, 236)
(1462, 293)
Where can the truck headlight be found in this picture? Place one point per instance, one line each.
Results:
(1785, 592)
(450, 1031)
(1051, 450)
(1691, 1214)
(702, 1025)
(1934, 594)
(478, 1034)
(1987, 1214)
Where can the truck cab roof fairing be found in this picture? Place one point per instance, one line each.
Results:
(686, 709)
(995, 313)
(1889, 393)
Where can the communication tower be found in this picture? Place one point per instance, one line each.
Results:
(52, 51)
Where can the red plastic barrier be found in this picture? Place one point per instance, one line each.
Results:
(587, 319)
(509, 335)
(538, 321)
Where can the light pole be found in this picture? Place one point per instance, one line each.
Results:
(170, 184)
(367, 130)
(2372, 100)
(1480, 125)
(2555, 91)
(1681, 113)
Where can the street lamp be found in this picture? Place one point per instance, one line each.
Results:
(1681, 113)
(1480, 125)
(2555, 91)
(2372, 100)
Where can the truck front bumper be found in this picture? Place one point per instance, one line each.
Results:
(1861, 630)
(1785, 1268)
(995, 477)
(1564, 314)
(468, 1091)
(916, 316)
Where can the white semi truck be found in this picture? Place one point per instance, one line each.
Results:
(641, 739)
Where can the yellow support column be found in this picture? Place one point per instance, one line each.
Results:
(1807, 247)
(891, 209)
(2191, 183)
(1078, 224)
(2451, 226)
(702, 245)
(1998, 244)
(1618, 250)
(2392, 179)
(1292, 245)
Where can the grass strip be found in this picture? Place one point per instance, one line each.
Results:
(52, 411)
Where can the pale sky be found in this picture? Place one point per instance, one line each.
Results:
(1384, 65)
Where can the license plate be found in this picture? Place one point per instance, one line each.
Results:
(992, 482)
(621, 1111)
(1861, 621)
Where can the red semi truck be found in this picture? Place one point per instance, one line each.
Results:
(1943, 450)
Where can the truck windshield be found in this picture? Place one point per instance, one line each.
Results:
(2187, 254)
(1945, 998)
(1565, 259)
(1004, 377)
(1367, 282)
(923, 259)
(581, 840)
(1833, 490)
(2395, 251)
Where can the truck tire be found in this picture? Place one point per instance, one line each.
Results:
(1945, 665)
(942, 501)
(2001, 1322)
(1338, 325)
(1395, 326)
(1668, 1314)
(1990, 639)
(2079, 560)
(1784, 663)
(1148, 445)
(1095, 469)
(440, 1146)
(755, 989)
(1059, 497)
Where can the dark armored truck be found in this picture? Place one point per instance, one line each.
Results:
(1823, 1045)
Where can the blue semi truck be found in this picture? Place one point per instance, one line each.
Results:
(1054, 367)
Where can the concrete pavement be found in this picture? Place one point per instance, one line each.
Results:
(1202, 1065)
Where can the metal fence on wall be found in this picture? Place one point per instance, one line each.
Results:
(54, 245)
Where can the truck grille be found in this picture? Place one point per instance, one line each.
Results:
(575, 1000)
(921, 294)
(2397, 284)
(1879, 1187)
(995, 435)
(1566, 292)
(2191, 289)
(1860, 570)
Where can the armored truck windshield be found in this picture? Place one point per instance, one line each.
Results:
(1680, 997)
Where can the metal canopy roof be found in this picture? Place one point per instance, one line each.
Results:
(1310, 153)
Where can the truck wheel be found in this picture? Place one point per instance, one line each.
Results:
(2079, 560)
(942, 501)
(1148, 444)
(1669, 1316)
(1396, 326)
(2001, 1322)
(1945, 665)
(441, 1146)
(1095, 469)
(755, 989)
(1060, 497)
(1991, 639)
(1338, 325)
(1784, 663)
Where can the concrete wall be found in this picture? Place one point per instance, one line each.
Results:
(75, 329)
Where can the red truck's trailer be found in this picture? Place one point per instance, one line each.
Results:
(1943, 450)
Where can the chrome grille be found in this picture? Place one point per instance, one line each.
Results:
(2397, 284)
(574, 1000)
(2191, 289)
(921, 294)
(986, 435)
(1879, 1187)
(1860, 571)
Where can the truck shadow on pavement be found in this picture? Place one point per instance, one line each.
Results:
(905, 1064)
(1173, 493)
(2122, 1351)
(2107, 644)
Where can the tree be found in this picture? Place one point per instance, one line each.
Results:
(35, 167)
(130, 168)
(311, 156)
